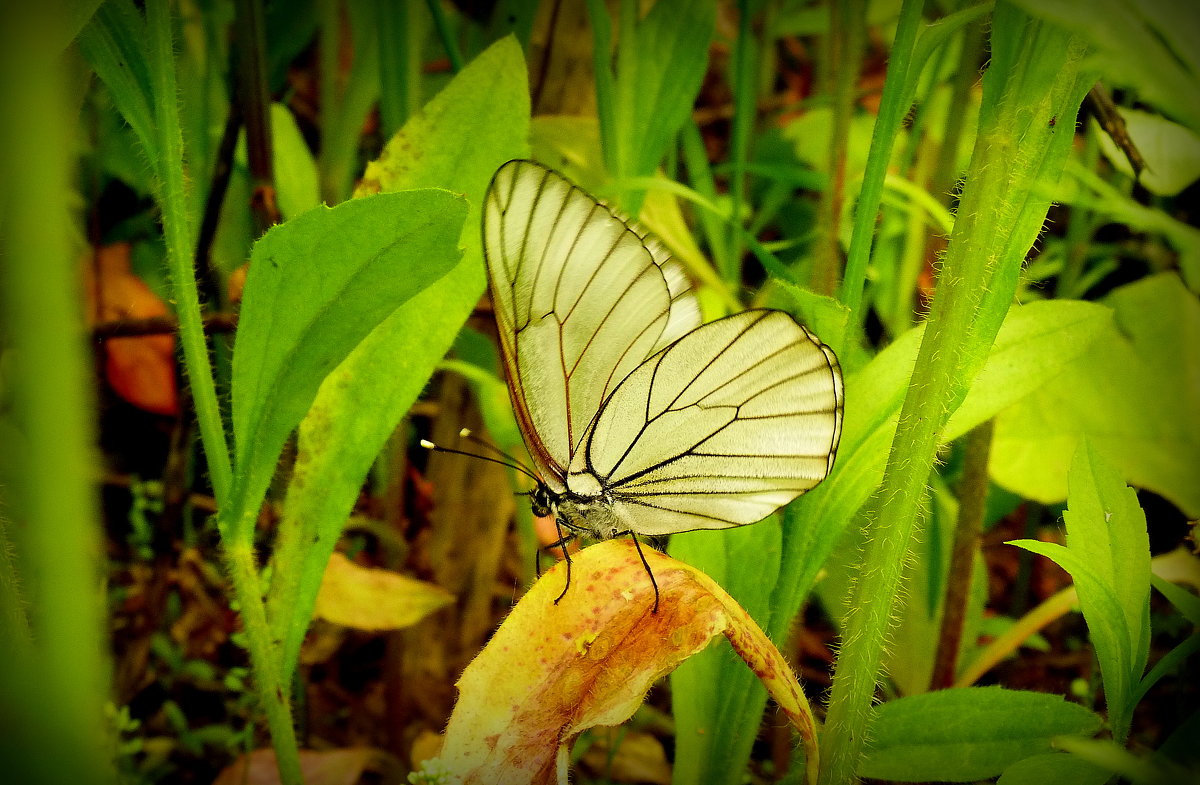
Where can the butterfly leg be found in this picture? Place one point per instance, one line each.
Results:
(563, 540)
(646, 564)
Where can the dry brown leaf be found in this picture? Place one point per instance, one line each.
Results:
(326, 767)
(552, 671)
(372, 599)
(139, 369)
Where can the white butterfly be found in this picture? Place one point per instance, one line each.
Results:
(639, 419)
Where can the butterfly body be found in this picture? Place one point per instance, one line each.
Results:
(638, 418)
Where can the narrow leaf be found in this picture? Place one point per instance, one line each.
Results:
(1108, 556)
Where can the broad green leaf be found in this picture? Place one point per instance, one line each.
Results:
(1107, 528)
(1053, 767)
(1034, 343)
(317, 286)
(1150, 46)
(1108, 557)
(1133, 394)
(1106, 624)
(967, 734)
(458, 140)
(1171, 152)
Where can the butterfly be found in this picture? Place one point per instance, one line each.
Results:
(639, 419)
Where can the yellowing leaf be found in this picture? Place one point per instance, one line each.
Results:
(552, 671)
(371, 599)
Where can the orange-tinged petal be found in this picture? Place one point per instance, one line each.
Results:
(552, 671)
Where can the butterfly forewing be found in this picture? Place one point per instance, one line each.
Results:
(580, 300)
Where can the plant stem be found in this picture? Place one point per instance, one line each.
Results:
(179, 242)
(264, 658)
(1034, 78)
(255, 103)
(972, 498)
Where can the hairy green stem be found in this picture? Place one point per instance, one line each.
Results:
(1034, 80)
(177, 229)
(264, 658)
(177, 233)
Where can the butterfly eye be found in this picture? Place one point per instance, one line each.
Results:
(539, 501)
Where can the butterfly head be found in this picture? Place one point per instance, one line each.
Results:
(543, 501)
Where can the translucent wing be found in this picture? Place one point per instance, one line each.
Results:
(721, 428)
(581, 300)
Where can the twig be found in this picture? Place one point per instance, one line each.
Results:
(161, 325)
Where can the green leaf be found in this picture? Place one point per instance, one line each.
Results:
(1149, 46)
(297, 186)
(1033, 345)
(1185, 602)
(317, 286)
(1132, 394)
(717, 703)
(114, 43)
(458, 140)
(670, 58)
(1108, 556)
(961, 735)
(1053, 767)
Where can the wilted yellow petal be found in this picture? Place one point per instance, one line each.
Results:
(552, 671)
(371, 599)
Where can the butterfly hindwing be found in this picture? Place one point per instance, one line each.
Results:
(720, 429)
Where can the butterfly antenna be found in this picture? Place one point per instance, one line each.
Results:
(469, 435)
(512, 464)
